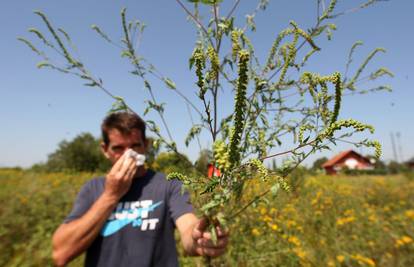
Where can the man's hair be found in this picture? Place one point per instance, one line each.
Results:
(124, 122)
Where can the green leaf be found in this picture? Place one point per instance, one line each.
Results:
(178, 176)
(195, 130)
(118, 105)
(213, 232)
(274, 189)
(170, 84)
(92, 84)
(221, 219)
(65, 34)
(191, 62)
(30, 45)
(250, 22)
(126, 53)
(43, 64)
(210, 205)
(206, 2)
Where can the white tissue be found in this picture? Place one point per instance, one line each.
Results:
(139, 158)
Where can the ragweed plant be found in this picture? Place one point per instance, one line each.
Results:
(275, 103)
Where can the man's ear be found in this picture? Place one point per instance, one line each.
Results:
(104, 149)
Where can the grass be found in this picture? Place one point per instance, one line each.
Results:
(326, 221)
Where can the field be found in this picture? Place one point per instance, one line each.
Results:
(326, 221)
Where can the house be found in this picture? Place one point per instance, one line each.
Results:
(347, 159)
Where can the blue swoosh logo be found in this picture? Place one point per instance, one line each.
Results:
(114, 226)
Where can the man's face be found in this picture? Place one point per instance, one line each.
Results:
(119, 143)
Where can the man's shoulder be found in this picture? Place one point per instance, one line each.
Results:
(161, 178)
(95, 184)
(156, 175)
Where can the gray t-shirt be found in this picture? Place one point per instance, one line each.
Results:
(140, 231)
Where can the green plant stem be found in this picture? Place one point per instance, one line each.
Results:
(192, 122)
(289, 151)
(195, 20)
(157, 74)
(207, 261)
(257, 197)
(135, 63)
(232, 9)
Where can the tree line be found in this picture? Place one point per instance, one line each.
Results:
(82, 154)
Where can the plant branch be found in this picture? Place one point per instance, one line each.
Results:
(232, 9)
(195, 20)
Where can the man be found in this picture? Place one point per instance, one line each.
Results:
(127, 218)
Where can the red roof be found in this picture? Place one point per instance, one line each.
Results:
(340, 156)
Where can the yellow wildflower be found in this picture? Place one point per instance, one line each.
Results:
(289, 208)
(274, 227)
(349, 212)
(409, 214)
(405, 240)
(328, 201)
(363, 260)
(290, 223)
(340, 258)
(294, 240)
(331, 263)
(318, 213)
(373, 218)
(345, 220)
(266, 218)
(300, 253)
(255, 232)
(317, 197)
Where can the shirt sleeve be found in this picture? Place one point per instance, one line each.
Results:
(82, 203)
(178, 202)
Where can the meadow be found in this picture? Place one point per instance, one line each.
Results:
(324, 221)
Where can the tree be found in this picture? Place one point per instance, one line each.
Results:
(378, 163)
(80, 154)
(201, 164)
(152, 151)
(395, 167)
(317, 164)
(171, 162)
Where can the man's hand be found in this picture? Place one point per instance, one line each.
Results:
(73, 238)
(203, 243)
(119, 179)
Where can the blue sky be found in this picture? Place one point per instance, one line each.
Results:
(40, 108)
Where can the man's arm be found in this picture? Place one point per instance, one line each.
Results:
(73, 238)
(196, 240)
